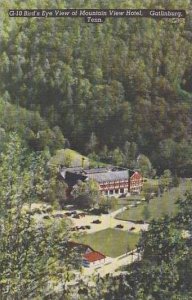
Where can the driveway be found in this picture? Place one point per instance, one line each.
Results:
(107, 221)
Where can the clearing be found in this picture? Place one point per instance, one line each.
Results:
(111, 242)
(157, 207)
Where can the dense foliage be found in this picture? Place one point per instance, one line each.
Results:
(33, 130)
(33, 254)
(126, 82)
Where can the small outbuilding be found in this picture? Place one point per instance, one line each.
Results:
(93, 259)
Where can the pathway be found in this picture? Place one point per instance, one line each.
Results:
(107, 221)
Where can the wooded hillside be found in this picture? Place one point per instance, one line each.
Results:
(127, 80)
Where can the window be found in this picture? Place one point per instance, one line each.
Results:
(111, 192)
(116, 191)
(121, 191)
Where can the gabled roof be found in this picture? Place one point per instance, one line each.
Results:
(94, 256)
(109, 176)
(75, 170)
(96, 170)
(103, 174)
(80, 247)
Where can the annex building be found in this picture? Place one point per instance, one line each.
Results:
(90, 257)
(113, 181)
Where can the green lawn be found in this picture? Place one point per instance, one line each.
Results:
(157, 207)
(111, 242)
(152, 182)
(68, 157)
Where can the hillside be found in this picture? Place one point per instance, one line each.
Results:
(69, 157)
(31, 127)
(126, 81)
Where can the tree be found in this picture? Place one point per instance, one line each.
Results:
(145, 166)
(106, 203)
(162, 241)
(92, 144)
(165, 180)
(146, 213)
(67, 161)
(129, 152)
(184, 216)
(33, 255)
(117, 157)
(56, 189)
(86, 194)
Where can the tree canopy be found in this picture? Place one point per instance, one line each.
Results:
(103, 86)
(33, 254)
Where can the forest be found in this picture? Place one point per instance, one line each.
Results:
(102, 87)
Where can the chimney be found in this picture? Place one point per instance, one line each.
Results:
(82, 162)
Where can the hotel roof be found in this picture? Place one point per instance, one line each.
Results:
(109, 176)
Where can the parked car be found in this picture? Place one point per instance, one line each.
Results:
(132, 228)
(96, 211)
(46, 217)
(140, 222)
(82, 227)
(81, 214)
(96, 222)
(119, 226)
(88, 227)
(76, 216)
(105, 212)
(68, 214)
(73, 212)
(78, 227)
(58, 216)
(73, 229)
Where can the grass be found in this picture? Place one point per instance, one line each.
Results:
(157, 207)
(120, 202)
(71, 158)
(68, 157)
(111, 242)
(152, 182)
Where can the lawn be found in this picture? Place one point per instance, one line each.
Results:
(157, 207)
(68, 157)
(152, 182)
(111, 242)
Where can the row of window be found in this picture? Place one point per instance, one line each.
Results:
(116, 191)
(114, 182)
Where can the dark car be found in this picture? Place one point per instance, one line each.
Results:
(140, 222)
(132, 228)
(73, 229)
(96, 222)
(105, 212)
(96, 211)
(76, 216)
(81, 214)
(119, 226)
(78, 227)
(73, 212)
(68, 214)
(46, 217)
(58, 216)
(82, 227)
(88, 227)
